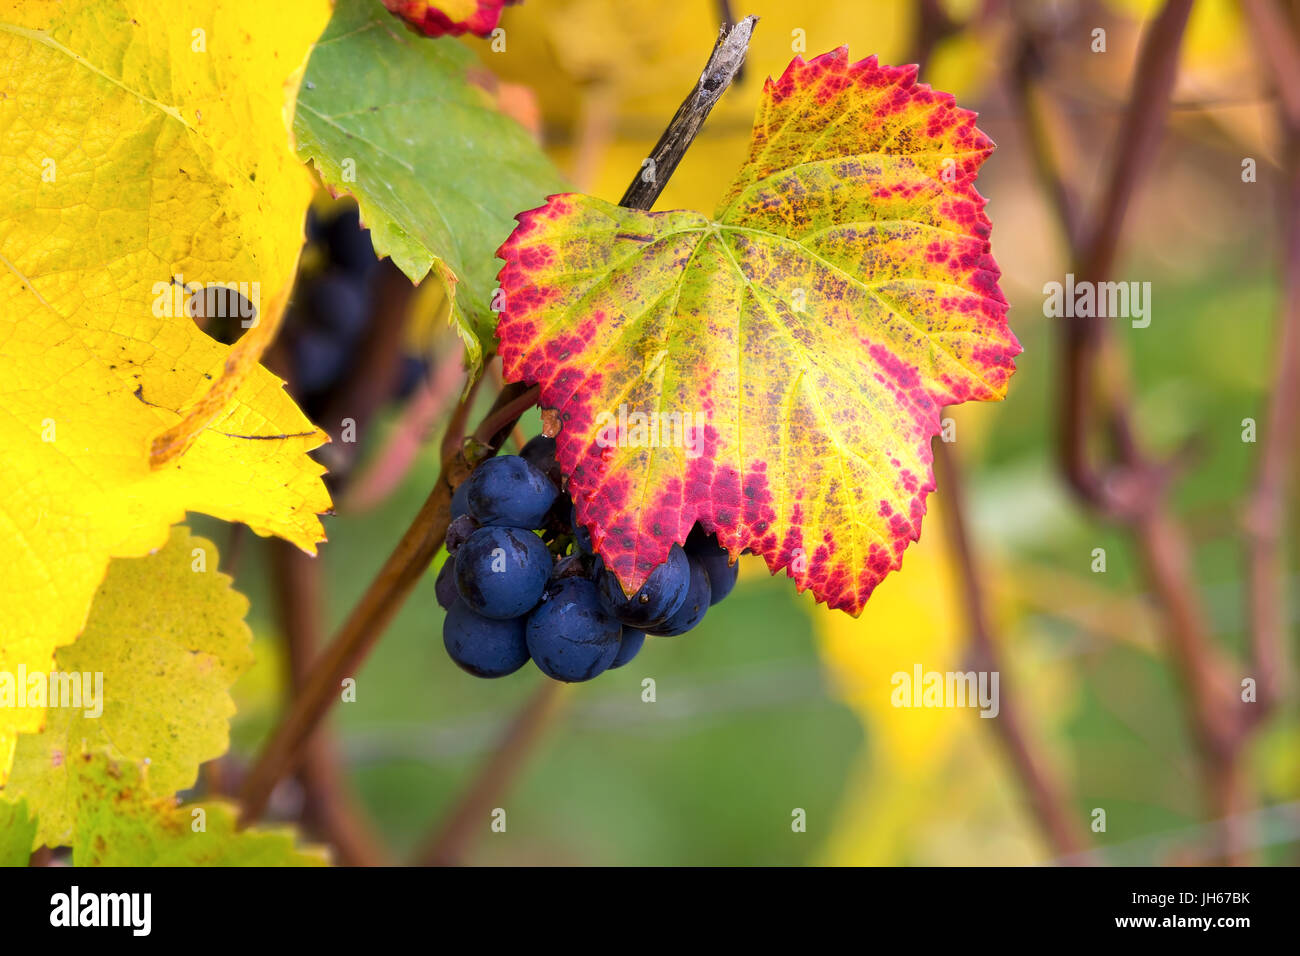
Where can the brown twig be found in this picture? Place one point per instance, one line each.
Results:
(724, 63)
(1266, 510)
(451, 839)
(390, 465)
(448, 844)
(933, 25)
(493, 370)
(1131, 488)
(1280, 50)
(373, 376)
(1047, 796)
(1095, 249)
(329, 809)
(372, 613)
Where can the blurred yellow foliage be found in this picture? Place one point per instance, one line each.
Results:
(616, 71)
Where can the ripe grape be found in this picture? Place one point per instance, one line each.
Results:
(705, 549)
(656, 600)
(458, 532)
(445, 587)
(349, 243)
(338, 305)
(629, 647)
(508, 491)
(570, 636)
(460, 500)
(540, 453)
(502, 572)
(692, 609)
(582, 538)
(413, 372)
(483, 646)
(319, 360)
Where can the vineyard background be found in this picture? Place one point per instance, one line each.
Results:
(775, 704)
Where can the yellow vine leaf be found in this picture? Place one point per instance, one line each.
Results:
(167, 634)
(141, 141)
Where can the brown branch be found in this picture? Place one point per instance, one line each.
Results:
(329, 810)
(499, 380)
(1279, 47)
(374, 374)
(725, 62)
(1135, 147)
(390, 465)
(932, 26)
(449, 843)
(371, 615)
(1027, 65)
(1047, 796)
(1266, 510)
(1131, 488)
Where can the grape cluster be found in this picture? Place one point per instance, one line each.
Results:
(522, 580)
(327, 321)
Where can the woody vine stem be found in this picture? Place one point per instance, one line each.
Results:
(419, 545)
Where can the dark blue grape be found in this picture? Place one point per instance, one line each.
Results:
(502, 572)
(337, 304)
(411, 375)
(722, 573)
(319, 360)
(539, 452)
(349, 243)
(315, 226)
(692, 609)
(582, 538)
(460, 500)
(445, 587)
(510, 492)
(561, 514)
(629, 647)
(570, 636)
(458, 532)
(482, 646)
(658, 598)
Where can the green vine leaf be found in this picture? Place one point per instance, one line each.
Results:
(164, 642)
(437, 170)
(775, 372)
(17, 831)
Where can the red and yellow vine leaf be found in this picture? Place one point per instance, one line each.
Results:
(797, 348)
(449, 17)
